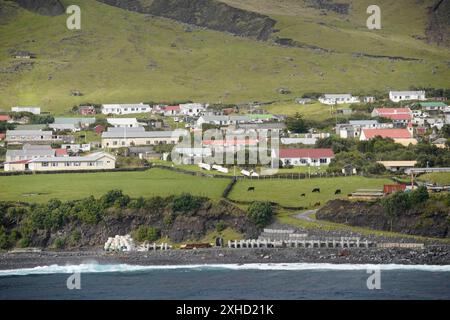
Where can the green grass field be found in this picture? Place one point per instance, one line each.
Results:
(441, 178)
(287, 192)
(125, 57)
(154, 182)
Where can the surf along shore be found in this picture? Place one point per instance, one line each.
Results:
(431, 255)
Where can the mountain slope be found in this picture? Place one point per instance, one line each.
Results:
(123, 56)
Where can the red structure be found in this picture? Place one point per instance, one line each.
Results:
(391, 188)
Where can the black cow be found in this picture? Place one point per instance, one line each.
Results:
(338, 191)
(303, 195)
(251, 189)
(317, 204)
(316, 190)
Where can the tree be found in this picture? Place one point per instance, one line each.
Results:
(260, 213)
(296, 124)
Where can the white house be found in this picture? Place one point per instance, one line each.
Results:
(304, 157)
(192, 109)
(130, 137)
(332, 99)
(125, 108)
(124, 122)
(397, 96)
(223, 120)
(33, 110)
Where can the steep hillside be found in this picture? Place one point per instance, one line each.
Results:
(125, 56)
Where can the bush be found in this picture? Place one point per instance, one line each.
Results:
(59, 243)
(220, 226)
(144, 233)
(186, 202)
(260, 213)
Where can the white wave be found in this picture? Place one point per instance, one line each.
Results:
(104, 268)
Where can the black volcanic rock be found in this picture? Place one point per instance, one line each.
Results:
(43, 7)
(438, 30)
(210, 14)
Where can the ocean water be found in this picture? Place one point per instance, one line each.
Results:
(250, 281)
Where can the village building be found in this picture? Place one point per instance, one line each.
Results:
(192, 109)
(305, 141)
(130, 137)
(305, 157)
(433, 108)
(31, 136)
(24, 55)
(398, 166)
(369, 99)
(401, 136)
(94, 161)
(332, 99)
(33, 110)
(303, 100)
(4, 118)
(354, 127)
(397, 96)
(124, 122)
(171, 111)
(440, 143)
(192, 155)
(29, 152)
(87, 110)
(125, 108)
(400, 117)
(223, 120)
(76, 148)
(144, 152)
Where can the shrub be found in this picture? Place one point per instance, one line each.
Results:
(59, 243)
(260, 213)
(144, 233)
(186, 202)
(220, 226)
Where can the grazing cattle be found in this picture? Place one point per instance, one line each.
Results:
(316, 190)
(317, 204)
(338, 191)
(303, 195)
(251, 189)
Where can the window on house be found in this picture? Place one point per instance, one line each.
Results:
(77, 164)
(54, 164)
(323, 160)
(45, 164)
(115, 143)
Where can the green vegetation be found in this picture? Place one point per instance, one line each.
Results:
(129, 57)
(186, 202)
(286, 192)
(399, 203)
(440, 178)
(260, 213)
(144, 233)
(150, 183)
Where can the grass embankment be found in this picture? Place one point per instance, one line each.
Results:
(154, 182)
(287, 192)
(440, 178)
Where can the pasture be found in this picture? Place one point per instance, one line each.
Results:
(288, 192)
(154, 182)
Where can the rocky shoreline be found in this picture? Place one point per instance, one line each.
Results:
(433, 255)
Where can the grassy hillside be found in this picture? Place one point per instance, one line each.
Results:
(287, 192)
(121, 56)
(155, 182)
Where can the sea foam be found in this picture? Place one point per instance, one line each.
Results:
(104, 268)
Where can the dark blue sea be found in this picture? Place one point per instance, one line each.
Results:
(258, 281)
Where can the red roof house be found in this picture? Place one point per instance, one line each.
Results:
(2, 136)
(61, 152)
(303, 157)
(99, 129)
(4, 117)
(367, 134)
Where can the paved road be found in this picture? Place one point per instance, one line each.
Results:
(306, 215)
